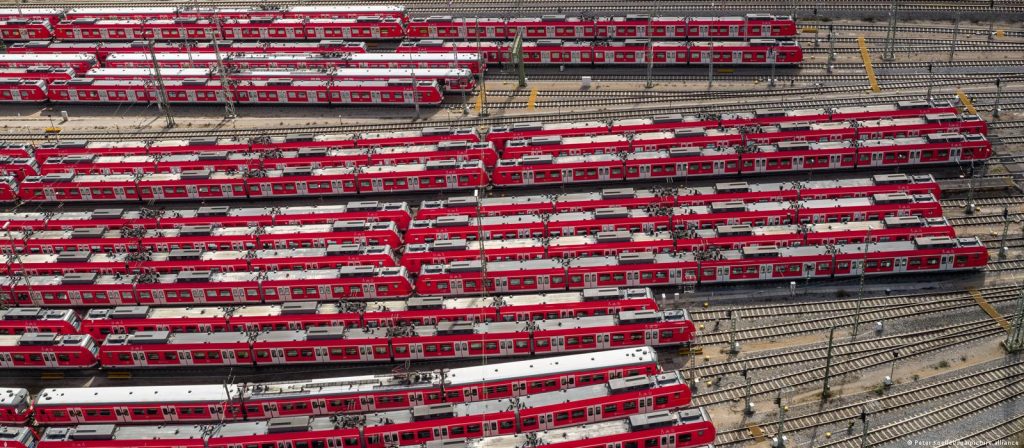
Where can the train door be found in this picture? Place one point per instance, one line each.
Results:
(915, 156)
(737, 57)
(170, 413)
(85, 192)
(946, 262)
(501, 284)
(300, 188)
(375, 97)
(760, 165)
(876, 159)
(451, 181)
(5, 360)
(543, 282)
(719, 166)
(50, 194)
(139, 358)
(270, 410)
(557, 344)
(722, 274)
(703, 31)
(734, 30)
(277, 356)
(119, 193)
(604, 173)
(645, 171)
(835, 161)
(377, 185)
(321, 354)
(369, 290)
(954, 155)
(590, 280)
(457, 286)
(366, 353)
(545, 57)
(527, 177)
(228, 357)
(632, 278)
(184, 357)
(50, 359)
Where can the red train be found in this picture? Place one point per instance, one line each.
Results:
(359, 394)
(25, 29)
(101, 322)
(20, 320)
(80, 63)
(188, 11)
(453, 79)
(359, 28)
(47, 351)
(353, 216)
(600, 28)
(801, 156)
(754, 263)
(439, 175)
(17, 437)
(268, 59)
(188, 287)
(722, 237)
(14, 90)
(446, 340)
(44, 73)
(269, 91)
(423, 425)
(105, 50)
(812, 211)
(720, 192)
(15, 407)
(757, 52)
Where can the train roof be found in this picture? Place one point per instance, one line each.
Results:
(549, 366)
(13, 396)
(47, 57)
(208, 277)
(136, 394)
(346, 8)
(201, 255)
(354, 57)
(30, 313)
(44, 339)
(576, 394)
(209, 211)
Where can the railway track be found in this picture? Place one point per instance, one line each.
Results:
(596, 75)
(963, 384)
(944, 338)
(877, 312)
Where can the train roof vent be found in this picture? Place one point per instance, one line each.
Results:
(437, 130)
(87, 232)
(73, 256)
(321, 333)
(629, 384)
(636, 41)
(196, 174)
(312, 152)
(942, 137)
(213, 155)
(734, 230)
(369, 19)
(934, 242)
(903, 221)
(452, 221)
(762, 113)
(22, 313)
(261, 19)
(793, 146)
(891, 198)
(199, 141)
(67, 144)
(438, 19)
(107, 213)
(684, 152)
(441, 165)
(794, 126)
(912, 104)
(213, 210)
(84, 20)
(304, 137)
(666, 118)
(79, 278)
(186, 19)
(638, 316)
(343, 249)
(458, 327)
(363, 206)
(297, 171)
(184, 254)
(199, 230)
(688, 132)
(650, 420)
(732, 187)
(294, 308)
(34, 44)
(447, 245)
(943, 117)
(611, 212)
(728, 206)
(57, 177)
(618, 193)
(760, 251)
(433, 411)
(453, 144)
(462, 201)
(149, 337)
(549, 42)
(194, 276)
(464, 266)
(888, 179)
(129, 312)
(424, 303)
(539, 159)
(529, 126)
(92, 432)
(550, 17)
(593, 294)
(546, 140)
(193, 82)
(279, 81)
(356, 271)
(79, 159)
(636, 258)
(36, 338)
(613, 236)
(428, 43)
(342, 226)
(288, 424)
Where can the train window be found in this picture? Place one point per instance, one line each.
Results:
(120, 357)
(687, 437)
(171, 356)
(153, 356)
(588, 339)
(618, 338)
(351, 351)
(261, 353)
(636, 336)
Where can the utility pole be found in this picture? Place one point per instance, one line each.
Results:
(772, 54)
(999, 95)
(780, 436)
(969, 208)
(1015, 337)
(481, 82)
(956, 35)
(825, 390)
(455, 63)
(415, 93)
(864, 434)
(891, 379)
(650, 52)
(889, 52)
(831, 50)
(931, 77)
(860, 292)
(748, 406)
(711, 53)
(1006, 229)
(516, 51)
(225, 84)
(734, 347)
(480, 240)
(161, 90)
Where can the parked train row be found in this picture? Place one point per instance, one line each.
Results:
(361, 22)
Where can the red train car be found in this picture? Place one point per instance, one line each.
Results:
(106, 50)
(47, 351)
(25, 29)
(361, 28)
(15, 408)
(17, 436)
(720, 192)
(44, 73)
(171, 12)
(755, 263)
(368, 393)
(266, 59)
(20, 320)
(189, 287)
(353, 216)
(78, 62)
(14, 90)
(48, 14)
